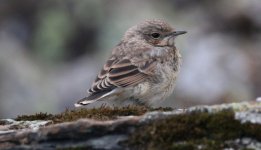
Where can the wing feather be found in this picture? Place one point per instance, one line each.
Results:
(119, 73)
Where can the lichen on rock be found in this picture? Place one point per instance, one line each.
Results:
(225, 126)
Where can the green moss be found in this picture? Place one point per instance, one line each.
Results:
(37, 116)
(200, 128)
(2, 122)
(102, 113)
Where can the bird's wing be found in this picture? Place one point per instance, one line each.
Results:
(121, 73)
(118, 73)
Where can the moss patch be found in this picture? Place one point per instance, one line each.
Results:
(188, 131)
(2, 122)
(102, 113)
(37, 116)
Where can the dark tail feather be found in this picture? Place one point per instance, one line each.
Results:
(84, 101)
(92, 98)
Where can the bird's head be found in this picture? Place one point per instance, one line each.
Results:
(154, 32)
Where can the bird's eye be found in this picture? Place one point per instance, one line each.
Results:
(155, 35)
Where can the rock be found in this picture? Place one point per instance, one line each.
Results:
(10, 125)
(225, 126)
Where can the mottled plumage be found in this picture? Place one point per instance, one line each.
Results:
(142, 68)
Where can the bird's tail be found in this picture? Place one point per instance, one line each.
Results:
(84, 101)
(93, 98)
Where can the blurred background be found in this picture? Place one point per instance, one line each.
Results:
(51, 50)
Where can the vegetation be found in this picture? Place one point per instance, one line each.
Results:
(191, 131)
(101, 113)
(194, 130)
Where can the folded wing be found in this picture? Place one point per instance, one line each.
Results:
(116, 74)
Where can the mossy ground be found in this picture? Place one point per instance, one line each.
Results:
(2, 122)
(197, 130)
(188, 131)
(101, 113)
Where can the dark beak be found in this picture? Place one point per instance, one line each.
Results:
(176, 33)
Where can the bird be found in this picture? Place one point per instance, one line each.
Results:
(142, 68)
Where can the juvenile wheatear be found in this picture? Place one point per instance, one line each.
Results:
(142, 69)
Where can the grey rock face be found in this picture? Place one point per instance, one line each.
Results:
(109, 135)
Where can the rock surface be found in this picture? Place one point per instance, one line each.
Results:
(138, 132)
